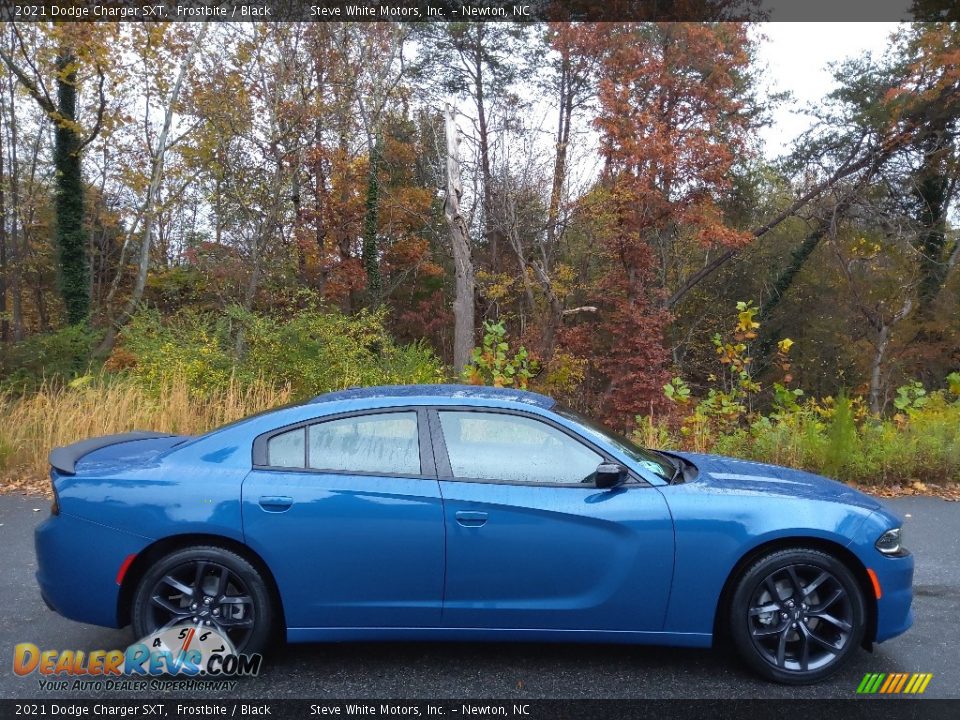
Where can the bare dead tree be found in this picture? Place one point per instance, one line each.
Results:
(463, 303)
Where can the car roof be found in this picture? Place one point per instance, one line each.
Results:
(426, 393)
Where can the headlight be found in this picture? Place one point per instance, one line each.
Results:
(891, 542)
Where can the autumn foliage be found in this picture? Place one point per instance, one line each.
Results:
(615, 193)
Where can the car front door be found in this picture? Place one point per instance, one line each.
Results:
(346, 512)
(532, 543)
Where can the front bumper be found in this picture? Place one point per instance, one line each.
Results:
(894, 607)
(77, 564)
(894, 575)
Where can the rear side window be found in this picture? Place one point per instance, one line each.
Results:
(385, 444)
(512, 448)
(287, 449)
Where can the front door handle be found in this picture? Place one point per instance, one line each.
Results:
(471, 519)
(276, 503)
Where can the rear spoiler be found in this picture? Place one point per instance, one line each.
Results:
(65, 458)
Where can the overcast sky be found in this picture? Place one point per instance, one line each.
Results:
(797, 56)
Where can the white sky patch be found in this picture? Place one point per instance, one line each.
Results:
(797, 57)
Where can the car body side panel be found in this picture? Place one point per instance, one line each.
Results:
(77, 563)
(351, 550)
(447, 634)
(715, 529)
(158, 500)
(557, 557)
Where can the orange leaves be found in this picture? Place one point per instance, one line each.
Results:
(672, 121)
(404, 209)
(930, 77)
(411, 253)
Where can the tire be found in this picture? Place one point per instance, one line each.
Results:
(797, 615)
(239, 604)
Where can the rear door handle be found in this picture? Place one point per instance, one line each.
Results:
(471, 519)
(275, 503)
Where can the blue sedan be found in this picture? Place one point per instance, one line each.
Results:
(452, 512)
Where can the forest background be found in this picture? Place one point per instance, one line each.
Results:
(198, 222)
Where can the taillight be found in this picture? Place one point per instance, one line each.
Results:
(55, 505)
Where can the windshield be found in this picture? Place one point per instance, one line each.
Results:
(654, 462)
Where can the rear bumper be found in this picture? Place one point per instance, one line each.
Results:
(77, 564)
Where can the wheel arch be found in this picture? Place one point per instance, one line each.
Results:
(158, 549)
(843, 554)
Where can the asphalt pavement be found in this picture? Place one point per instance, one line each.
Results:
(512, 671)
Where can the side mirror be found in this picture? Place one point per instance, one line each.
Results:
(610, 475)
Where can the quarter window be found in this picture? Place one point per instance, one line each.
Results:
(287, 449)
(512, 448)
(383, 444)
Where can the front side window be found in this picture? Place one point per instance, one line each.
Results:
(385, 444)
(513, 448)
(654, 462)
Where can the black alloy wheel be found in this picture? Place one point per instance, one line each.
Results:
(797, 615)
(206, 587)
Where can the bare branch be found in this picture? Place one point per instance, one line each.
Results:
(100, 109)
(43, 100)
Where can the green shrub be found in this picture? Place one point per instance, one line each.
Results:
(491, 363)
(842, 440)
(54, 357)
(834, 437)
(827, 438)
(312, 352)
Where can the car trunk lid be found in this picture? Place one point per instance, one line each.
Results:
(129, 447)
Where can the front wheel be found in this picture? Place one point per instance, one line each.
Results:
(206, 587)
(797, 615)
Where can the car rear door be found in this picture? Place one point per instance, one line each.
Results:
(532, 543)
(346, 511)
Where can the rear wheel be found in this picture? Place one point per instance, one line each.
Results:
(797, 615)
(205, 586)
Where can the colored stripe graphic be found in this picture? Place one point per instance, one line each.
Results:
(894, 683)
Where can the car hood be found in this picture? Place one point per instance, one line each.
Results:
(747, 476)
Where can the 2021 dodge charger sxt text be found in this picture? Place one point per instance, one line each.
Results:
(458, 512)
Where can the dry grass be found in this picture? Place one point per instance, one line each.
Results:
(54, 416)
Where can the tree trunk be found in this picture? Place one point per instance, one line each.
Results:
(876, 365)
(4, 320)
(71, 243)
(492, 232)
(463, 307)
(560, 158)
(298, 219)
(554, 317)
(884, 328)
(370, 253)
(932, 188)
(553, 321)
(14, 251)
